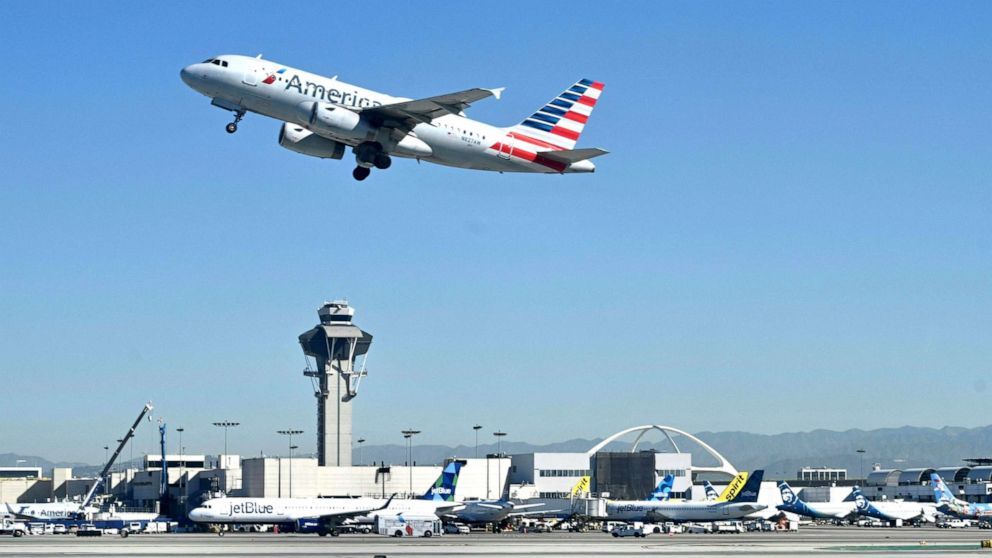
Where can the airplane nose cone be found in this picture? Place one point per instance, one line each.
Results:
(187, 75)
(196, 514)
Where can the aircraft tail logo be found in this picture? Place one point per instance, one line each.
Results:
(663, 490)
(581, 487)
(734, 488)
(711, 494)
(789, 497)
(444, 487)
(751, 489)
(941, 494)
(558, 124)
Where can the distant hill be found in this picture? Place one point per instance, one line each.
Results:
(781, 455)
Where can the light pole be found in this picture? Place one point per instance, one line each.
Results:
(409, 434)
(861, 454)
(499, 456)
(182, 462)
(225, 424)
(290, 433)
(360, 455)
(477, 427)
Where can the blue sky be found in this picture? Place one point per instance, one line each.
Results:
(792, 230)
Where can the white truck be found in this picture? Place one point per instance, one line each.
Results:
(400, 526)
(13, 527)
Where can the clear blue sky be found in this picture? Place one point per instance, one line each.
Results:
(792, 230)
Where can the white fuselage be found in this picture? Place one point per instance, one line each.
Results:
(49, 510)
(281, 92)
(647, 511)
(285, 510)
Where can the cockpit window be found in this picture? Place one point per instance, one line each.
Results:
(216, 62)
(208, 60)
(223, 63)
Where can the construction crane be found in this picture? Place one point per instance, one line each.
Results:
(106, 468)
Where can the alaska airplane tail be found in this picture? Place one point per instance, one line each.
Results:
(443, 488)
(941, 494)
(711, 494)
(663, 490)
(749, 493)
(558, 124)
(790, 500)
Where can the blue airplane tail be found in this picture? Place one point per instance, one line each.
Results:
(663, 490)
(443, 488)
(750, 490)
(940, 491)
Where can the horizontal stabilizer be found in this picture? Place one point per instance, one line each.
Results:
(569, 156)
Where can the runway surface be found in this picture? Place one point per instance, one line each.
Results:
(906, 541)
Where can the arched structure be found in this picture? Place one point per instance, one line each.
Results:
(723, 467)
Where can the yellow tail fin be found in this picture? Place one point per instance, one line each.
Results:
(733, 488)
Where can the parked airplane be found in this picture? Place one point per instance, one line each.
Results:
(892, 511)
(330, 513)
(485, 512)
(322, 116)
(949, 504)
(819, 510)
(742, 504)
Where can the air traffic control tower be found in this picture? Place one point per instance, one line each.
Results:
(335, 345)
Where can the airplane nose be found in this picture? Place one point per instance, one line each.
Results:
(196, 514)
(187, 76)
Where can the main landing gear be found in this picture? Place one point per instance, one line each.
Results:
(233, 126)
(370, 154)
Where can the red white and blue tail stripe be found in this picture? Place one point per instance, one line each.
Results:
(558, 124)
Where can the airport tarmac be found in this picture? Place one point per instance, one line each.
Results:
(814, 540)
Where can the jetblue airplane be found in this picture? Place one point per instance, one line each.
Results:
(891, 511)
(819, 510)
(948, 504)
(330, 513)
(742, 504)
(323, 116)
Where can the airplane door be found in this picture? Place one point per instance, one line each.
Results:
(251, 77)
(505, 148)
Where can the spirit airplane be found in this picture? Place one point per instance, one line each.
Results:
(322, 116)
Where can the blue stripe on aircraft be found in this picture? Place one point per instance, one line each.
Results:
(570, 96)
(553, 110)
(537, 125)
(585, 82)
(546, 118)
(578, 89)
(561, 103)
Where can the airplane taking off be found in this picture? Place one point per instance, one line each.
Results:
(819, 510)
(949, 504)
(740, 505)
(330, 513)
(322, 116)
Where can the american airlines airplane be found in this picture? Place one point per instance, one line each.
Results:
(330, 513)
(49, 510)
(740, 505)
(322, 116)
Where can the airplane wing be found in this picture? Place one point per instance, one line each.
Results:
(533, 512)
(569, 156)
(345, 515)
(407, 114)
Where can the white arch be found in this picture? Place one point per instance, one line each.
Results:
(723, 467)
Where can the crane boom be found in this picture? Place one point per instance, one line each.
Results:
(113, 458)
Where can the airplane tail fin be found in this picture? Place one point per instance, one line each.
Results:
(711, 494)
(789, 497)
(443, 488)
(581, 487)
(734, 488)
(559, 123)
(940, 491)
(749, 493)
(663, 490)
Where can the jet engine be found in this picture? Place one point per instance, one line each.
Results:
(296, 138)
(333, 119)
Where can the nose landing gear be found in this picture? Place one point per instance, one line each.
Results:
(233, 126)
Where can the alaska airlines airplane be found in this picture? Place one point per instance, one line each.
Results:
(322, 116)
(891, 511)
(330, 513)
(948, 504)
(741, 505)
(820, 510)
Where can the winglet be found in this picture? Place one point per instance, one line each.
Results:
(497, 92)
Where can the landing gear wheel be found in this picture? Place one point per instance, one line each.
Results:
(335, 533)
(231, 128)
(382, 161)
(361, 173)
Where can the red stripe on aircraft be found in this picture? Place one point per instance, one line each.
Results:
(598, 85)
(565, 133)
(532, 157)
(588, 101)
(580, 118)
